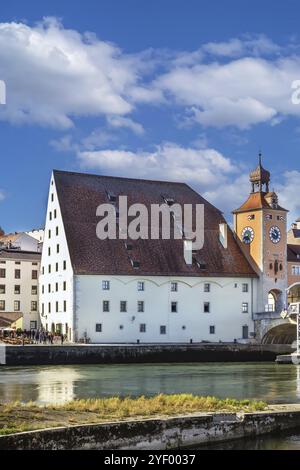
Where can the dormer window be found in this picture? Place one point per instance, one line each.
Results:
(201, 265)
(169, 200)
(135, 264)
(111, 196)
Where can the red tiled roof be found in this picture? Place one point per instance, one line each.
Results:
(8, 318)
(256, 201)
(79, 196)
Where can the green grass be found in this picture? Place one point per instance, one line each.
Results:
(17, 417)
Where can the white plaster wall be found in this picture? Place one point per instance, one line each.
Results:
(225, 302)
(26, 282)
(46, 278)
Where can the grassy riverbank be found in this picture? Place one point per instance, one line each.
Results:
(17, 417)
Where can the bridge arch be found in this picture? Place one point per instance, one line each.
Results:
(282, 333)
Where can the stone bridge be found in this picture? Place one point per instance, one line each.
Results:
(272, 329)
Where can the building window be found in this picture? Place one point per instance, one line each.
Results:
(245, 287)
(245, 307)
(34, 274)
(143, 328)
(56, 307)
(50, 215)
(207, 287)
(123, 306)
(43, 289)
(212, 330)
(34, 290)
(55, 213)
(17, 290)
(65, 285)
(140, 306)
(57, 248)
(2, 273)
(34, 306)
(140, 286)
(49, 268)
(43, 270)
(105, 305)
(18, 262)
(33, 325)
(49, 288)
(163, 329)
(16, 305)
(43, 309)
(17, 274)
(174, 307)
(56, 231)
(52, 197)
(98, 327)
(49, 307)
(174, 287)
(65, 305)
(49, 251)
(56, 267)
(105, 285)
(296, 270)
(56, 286)
(206, 307)
(2, 305)
(65, 265)
(2, 288)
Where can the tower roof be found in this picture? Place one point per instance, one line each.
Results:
(260, 176)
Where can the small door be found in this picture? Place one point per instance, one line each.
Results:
(245, 332)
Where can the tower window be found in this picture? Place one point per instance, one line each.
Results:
(206, 307)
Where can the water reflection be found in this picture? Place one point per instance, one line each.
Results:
(56, 384)
(283, 441)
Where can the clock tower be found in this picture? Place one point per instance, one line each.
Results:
(260, 226)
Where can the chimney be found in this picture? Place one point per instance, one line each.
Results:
(223, 234)
(188, 252)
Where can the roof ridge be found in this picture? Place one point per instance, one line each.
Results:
(119, 177)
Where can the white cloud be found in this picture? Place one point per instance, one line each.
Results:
(168, 161)
(121, 121)
(240, 92)
(258, 45)
(54, 74)
(286, 189)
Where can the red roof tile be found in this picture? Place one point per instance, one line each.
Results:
(79, 196)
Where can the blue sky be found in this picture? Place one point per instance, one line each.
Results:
(182, 90)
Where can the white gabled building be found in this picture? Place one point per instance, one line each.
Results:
(21, 241)
(117, 291)
(19, 271)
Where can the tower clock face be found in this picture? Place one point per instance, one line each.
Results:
(248, 235)
(275, 234)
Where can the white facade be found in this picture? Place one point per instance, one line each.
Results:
(56, 279)
(21, 241)
(19, 286)
(37, 234)
(207, 308)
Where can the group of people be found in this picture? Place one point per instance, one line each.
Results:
(38, 336)
(44, 337)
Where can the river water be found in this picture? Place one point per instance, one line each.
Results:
(57, 384)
